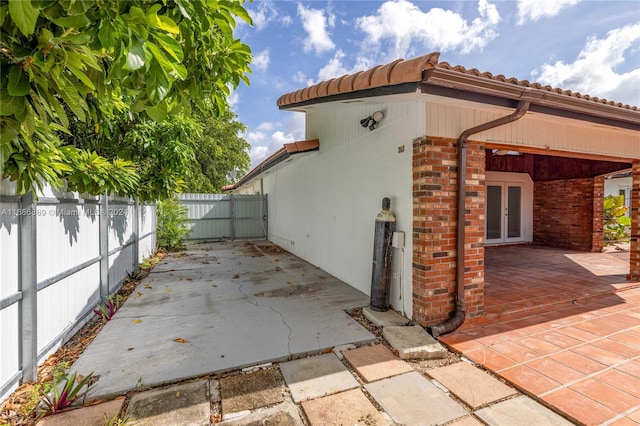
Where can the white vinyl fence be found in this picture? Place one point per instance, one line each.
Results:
(225, 216)
(59, 256)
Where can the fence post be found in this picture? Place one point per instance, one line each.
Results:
(265, 216)
(29, 287)
(136, 234)
(233, 217)
(103, 224)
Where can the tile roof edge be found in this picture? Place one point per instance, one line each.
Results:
(485, 83)
(501, 79)
(427, 69)
(396, 72)
(285, 152)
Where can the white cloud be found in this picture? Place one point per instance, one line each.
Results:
(401, 27)
(300, 77)
(233, 99)
(533, 10)
(335, 67)
(594, 72)
(267, 126)
(265, 13)
(257, 154)
(264, 144)
(261, 60)
(295, 125)
(286, 20)
(315, 24)
(255, 137)
(281, 138)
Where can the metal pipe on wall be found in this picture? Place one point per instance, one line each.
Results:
(459, 314)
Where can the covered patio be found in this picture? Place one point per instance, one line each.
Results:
(564, 327)
(529, 277)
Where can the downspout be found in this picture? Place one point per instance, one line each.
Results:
(459, 315)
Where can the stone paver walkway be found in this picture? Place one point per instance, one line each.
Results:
(323, 390)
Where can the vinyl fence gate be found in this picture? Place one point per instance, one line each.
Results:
(225, 216)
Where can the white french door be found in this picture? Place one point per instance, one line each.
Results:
(504, 219)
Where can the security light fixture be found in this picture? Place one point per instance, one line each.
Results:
(372, 120)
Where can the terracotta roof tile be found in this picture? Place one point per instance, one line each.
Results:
(396, 72)
(526, 83)
(302, 146)
(346, 84)
(426, 69)
(305, 93)
(405, 71)
(382, 75)
(363, 79)
(323, 87)
(334, 85)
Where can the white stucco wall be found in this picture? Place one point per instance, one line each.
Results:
(322, 206)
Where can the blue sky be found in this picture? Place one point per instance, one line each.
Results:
(586, 46)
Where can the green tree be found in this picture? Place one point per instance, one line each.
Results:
(218, 149)
(65, 62)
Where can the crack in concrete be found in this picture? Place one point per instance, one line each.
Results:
(160, 316)
(284, 321)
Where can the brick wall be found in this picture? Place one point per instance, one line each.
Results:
(434, 229)
(568, 213)
(634, 263)
(597, 230)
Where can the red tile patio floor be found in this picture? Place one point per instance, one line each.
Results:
(563, 326)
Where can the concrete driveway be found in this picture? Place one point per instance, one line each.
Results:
(219, 307)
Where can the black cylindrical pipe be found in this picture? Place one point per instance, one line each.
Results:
(382, 251)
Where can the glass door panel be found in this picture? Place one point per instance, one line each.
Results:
(493, 218)
(514, 213)
(504, 214)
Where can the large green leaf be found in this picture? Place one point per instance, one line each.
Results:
(3, 13)
(107, 34)
(624, 220)
(9, 129)
(135, 56)
(77, 21)
(157, 83)
(158, 112)
(18, 81)
(163, 22)
(170, 45)
(24, 15)
(10, 105)
(73, 100)
(76, 66)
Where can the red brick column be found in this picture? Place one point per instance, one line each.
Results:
(597, 235)
(634, 263)
(434, 229)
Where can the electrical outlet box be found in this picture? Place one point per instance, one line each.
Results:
(397, 240)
